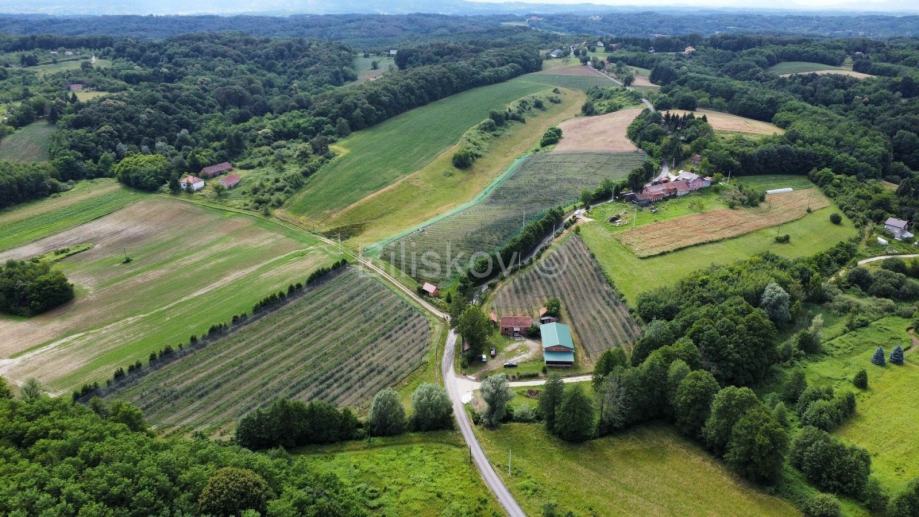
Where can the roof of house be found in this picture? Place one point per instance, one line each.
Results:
(556, 334)
(429, 288)
(516, 322)
(558, 357)
(216, 168)
(686, 175)
(190, 179)
(896, 223)
(543, 311)
(230, 180)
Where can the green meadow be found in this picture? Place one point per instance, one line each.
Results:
(801, 67)
(28, 143)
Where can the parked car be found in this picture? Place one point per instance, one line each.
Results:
(484, 358)
(510, 364)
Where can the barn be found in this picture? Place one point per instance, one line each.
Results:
(557, 346)
(216, 170)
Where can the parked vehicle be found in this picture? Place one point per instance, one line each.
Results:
(510, 364)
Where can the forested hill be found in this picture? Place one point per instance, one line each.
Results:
(375, 30)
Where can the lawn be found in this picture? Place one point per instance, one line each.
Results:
(28, 143)
(341, 341)
(633, 275)
(365, 72)
(427, 474)
(885, 420)
(190, 268)
(647, 470)
(88, 200)
(439, 186)
(375, 158)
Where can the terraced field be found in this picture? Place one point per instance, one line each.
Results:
(341, 342)
(543, 181)
(599, 318)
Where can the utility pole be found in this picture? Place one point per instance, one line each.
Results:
(508, 463)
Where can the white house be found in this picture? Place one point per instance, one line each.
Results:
(191, 183)
(898, 228)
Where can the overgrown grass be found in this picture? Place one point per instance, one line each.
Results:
(801, 67)
(65, 66)
(647, 470)
(28, 143)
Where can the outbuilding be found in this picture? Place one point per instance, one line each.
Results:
(430, 289)
(898, 228)
(557, 346)
(515, 326)
(191, 183)
(216, 170)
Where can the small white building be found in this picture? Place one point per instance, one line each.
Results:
(779, 191)
(191, 183)
(898, 228)
(393, 52)
(882, 241)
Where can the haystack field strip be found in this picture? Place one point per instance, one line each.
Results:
(599, 318)
(598, 134)
(190, 268)
(341, 342)
(543, 181)
(734, 124)
(665, 236)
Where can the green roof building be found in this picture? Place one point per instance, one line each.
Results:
(557, 346)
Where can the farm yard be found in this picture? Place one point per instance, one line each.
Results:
(602, 133)
(87, 200)
(598, 317)
(728, 123)
(690, 230)
(440, 186)
(151, 274)
(612, 475)
(341, 342)
(27, 144)
(541, 182)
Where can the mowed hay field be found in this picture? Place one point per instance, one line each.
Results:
(87, 200)
(598, 317)
(27, 144)
(690, 230)
(647, 470)
(633, 275)
(541, 182)
(885, 420)
(727, 123)
(374, 158)
(191, 267)
(439, 186)
(425, 474)
(602, 133)
(341, 342)
(787, 68)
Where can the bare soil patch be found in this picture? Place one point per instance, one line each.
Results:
(734, 124)
(603, 133)
(671, 235)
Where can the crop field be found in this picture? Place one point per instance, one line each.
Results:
(884, 422)
(576, 76)
(87, 200)
(543, 181)
(690, 230)
(374, 158)
(599, 318)
(787, 68)
(602, 133)
(439, 186)
(189, 268)
(341, 342)
(725, 122)
(425, 474)
(27, 144)
(646, 470)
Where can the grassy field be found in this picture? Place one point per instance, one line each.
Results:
(801, 67)
(599, 320)
(728, 123)
(647, 470)
(541, 182)
(633, 275)
(87, 200)
(372, 159)
(88, 95)
(66, 66)
(439, 187)
(424, 475)
(341, 342)
(365, 72)
(191, 267)
(884, 423)
(28, 143)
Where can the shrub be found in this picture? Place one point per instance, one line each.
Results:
(231, 491)
(878, 357)
(496, 393)
(829, 464)
(794, 386)
(551, 136)
(574, 421)
(896, 356)
(783, 239)
(431, 408)
(822, 505)
(906, 504)
(861, 379)
(387, 416)
(835, 218)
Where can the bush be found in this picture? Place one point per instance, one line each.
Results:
(822, 505)
(906, 504)
(783, 239)
(835, 218)
(387, 416)
(496, 393)
(575, 419)
(231, 491)
(861, 379)
(431, 408)
(829, 464)
(896, 356)
(551, 136)
(794, 386)
(29, 288)
(878, 357)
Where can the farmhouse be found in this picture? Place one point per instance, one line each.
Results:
(671, 185)
(75, 87)
(688, 51)
(230, 181)
(557, 53)
(557, 346)
(898, 228)
(216, 170)
(545, 317)
(191, 183)
(515, 326)
(430, 289)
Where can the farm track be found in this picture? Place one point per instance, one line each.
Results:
(598, 315)
(304, 350)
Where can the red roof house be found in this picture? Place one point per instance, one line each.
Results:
(215, 170)
(430, 289)
(230, 180)
(515, 325)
